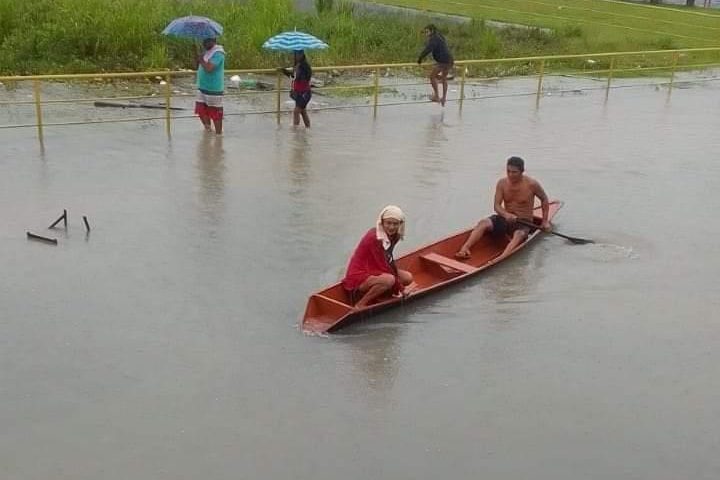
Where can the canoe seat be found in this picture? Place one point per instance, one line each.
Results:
(444, 261)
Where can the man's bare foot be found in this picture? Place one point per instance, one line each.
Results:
(442, 101)
(434, 98)
(462, 254)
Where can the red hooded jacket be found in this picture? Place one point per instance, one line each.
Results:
(368, 260)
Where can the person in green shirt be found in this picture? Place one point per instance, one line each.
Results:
(211, 86)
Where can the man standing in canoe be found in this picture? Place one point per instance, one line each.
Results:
(371, 272)
(514, 200)
(437, 45)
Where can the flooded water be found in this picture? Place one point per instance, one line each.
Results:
(165, 345)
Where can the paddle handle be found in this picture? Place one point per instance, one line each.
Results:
(528, 224)
(534, 225)
(567, 237)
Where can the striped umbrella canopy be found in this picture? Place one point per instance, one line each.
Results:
(290, 41)
(194, 27)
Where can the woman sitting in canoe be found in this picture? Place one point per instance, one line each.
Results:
(371, 272)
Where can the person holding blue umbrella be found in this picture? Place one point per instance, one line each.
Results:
(301, 73)
(300, 89)
(210, 67)
(211, 85)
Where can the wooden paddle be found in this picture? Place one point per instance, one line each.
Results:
(575, 240)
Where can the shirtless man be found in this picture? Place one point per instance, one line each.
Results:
(514, 199)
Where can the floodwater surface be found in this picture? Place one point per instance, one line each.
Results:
(164, 343)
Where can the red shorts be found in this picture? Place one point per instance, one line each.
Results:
(213, 113)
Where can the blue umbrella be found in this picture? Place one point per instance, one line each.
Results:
(289, 41)
(194, 27)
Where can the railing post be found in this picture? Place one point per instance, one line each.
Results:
(672, 72)
(610, 75)
(277, 99)
(541, 73)
(462, 86)
(38, 109)
(376, 92)
(167, 104)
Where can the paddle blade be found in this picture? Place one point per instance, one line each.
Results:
(575, 240)
(580, 241)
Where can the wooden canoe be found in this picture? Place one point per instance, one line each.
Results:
(433, 267)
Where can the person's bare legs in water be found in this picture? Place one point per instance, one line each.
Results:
(439, 76)
(443, 78)
(301, 112)
(434, 75)
(206, 122)
(218, 126)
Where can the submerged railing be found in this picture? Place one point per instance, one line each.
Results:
(471, 72)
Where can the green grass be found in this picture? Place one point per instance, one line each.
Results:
(606, 25)
(77, 36)
(593, 26)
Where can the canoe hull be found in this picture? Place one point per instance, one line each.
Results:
(433, 267)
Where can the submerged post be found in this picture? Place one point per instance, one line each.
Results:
(63, 218)
(610, 75)
(462, 86)
(376, 85)
(541, 73)
(277, 99)
(38, 109)
(34, 236)
(672, 72)
(167, 105)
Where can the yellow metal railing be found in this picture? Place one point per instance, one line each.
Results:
(537, 65)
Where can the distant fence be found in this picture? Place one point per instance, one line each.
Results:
(606, 65)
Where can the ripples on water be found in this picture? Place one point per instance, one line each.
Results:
(608, 252)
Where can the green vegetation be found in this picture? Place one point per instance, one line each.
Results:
(602, 26)
(74, 36)
(591, 26)
(53, 36)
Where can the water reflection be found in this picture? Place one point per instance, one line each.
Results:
(436, 130)
(430, 155)
(298, 161)
(374, 353)
(432, 172)
(435, 138)
(211, 176)
(515, 281)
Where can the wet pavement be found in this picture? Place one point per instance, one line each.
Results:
(164, 344)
